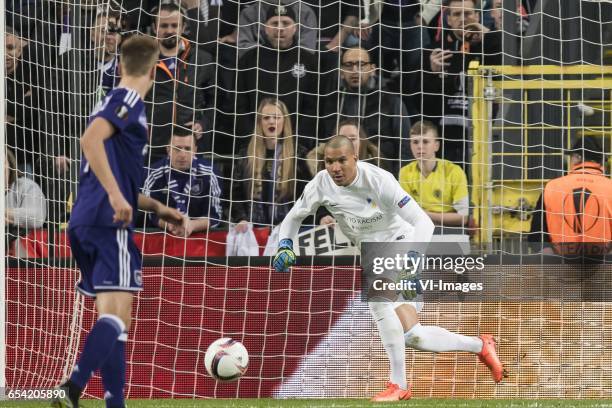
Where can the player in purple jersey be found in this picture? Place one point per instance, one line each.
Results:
(101, 228)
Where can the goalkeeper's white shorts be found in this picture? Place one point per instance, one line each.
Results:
(417, 303)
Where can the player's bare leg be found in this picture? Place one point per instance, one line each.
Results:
(105, 342)
(438, 339)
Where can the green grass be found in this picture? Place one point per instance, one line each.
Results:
(332, 403)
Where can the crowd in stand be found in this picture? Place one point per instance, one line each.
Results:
(246, 94)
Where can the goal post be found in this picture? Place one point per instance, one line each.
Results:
(3, 316)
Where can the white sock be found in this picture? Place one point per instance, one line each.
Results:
(436, 339)
(392, 337)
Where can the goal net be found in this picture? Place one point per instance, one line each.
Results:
(499, 90)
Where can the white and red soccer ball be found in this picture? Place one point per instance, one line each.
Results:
(226, 359)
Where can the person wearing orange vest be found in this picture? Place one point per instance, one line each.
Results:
(574, 213)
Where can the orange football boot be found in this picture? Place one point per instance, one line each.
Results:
(392, 393)
(488, 356)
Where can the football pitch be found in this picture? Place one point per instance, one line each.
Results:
(331, 403)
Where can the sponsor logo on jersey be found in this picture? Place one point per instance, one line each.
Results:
(138, 277)
(403, 201)
(122, 112)
(197, 187)
(298, 71)
(363, 221)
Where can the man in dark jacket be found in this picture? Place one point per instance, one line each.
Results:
(382, 113)
(183, 91)
(84, 76)
(445, 100)
(279, 69)
(18, 115)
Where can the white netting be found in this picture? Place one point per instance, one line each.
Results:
(506, 130)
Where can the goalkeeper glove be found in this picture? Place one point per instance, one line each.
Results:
(411, 276)
(285, 257)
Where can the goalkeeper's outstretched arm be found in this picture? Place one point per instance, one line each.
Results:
(306, 205)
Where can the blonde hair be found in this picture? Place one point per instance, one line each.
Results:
(139, 55)
(256, 151)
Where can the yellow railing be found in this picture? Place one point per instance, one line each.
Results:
(502, 205)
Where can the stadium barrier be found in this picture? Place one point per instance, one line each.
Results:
(524, 120)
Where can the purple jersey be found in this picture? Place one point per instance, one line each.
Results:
(110, 75)
(125, 149)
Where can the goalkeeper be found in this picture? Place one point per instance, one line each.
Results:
(369, 205)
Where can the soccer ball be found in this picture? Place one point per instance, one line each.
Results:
(226, 359)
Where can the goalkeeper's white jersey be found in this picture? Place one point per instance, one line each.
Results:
(373, 208)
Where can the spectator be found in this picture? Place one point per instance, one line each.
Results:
(84, 77)
(35, 96)
(13, 44)
(24, 98)
(185, 182)
(394, 37)
(19, 13)
(361, 96)
(227, 58)
(20, 120)
(250, 32)
(202, 17)
(26, 207)
(183, 91)
(574, 213)
(496, 13)
(337, 23)
(438, 185)
(106, 39)
(205, 19)
(523, 8)
(279, 69)
(445, 100)
(430, 13)
(352, 129)
(17, 90)
(271, 173)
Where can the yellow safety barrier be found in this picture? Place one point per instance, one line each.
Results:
(502, 207)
